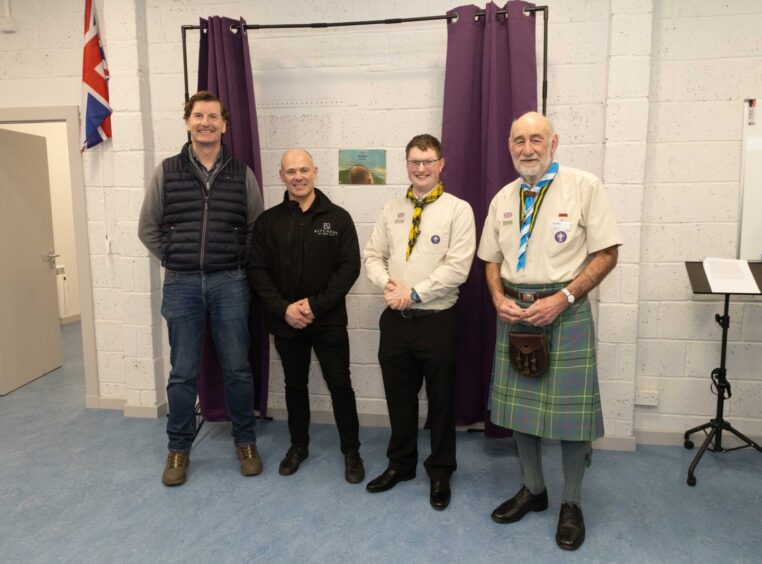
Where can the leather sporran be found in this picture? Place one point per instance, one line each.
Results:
(528, 353)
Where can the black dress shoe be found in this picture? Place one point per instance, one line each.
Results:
(354, 471)
(294, 457)
(571, 527)
(440, 494)
(388, 480)
(519, 505)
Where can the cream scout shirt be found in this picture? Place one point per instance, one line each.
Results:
(574, 221)
(441, 258)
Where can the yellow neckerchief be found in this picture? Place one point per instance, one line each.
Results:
(415, 226)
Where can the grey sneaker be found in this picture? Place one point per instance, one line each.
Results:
(251, 464)
(175, 471)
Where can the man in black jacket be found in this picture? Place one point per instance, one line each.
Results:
(197, 217)
(303, 261)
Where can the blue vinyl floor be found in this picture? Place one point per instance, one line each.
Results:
(81, 485)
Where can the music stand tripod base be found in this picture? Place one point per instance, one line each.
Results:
(714, 428)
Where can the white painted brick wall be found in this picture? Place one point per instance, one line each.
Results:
(627, 119)
(626, 126)
(696, 161)
(617, 323)
(752, 322)
(707, 58)
(624, 162)
(661, 357)
(636, 98)
(617, 400)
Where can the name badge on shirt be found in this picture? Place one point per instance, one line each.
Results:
(507, 218)
(400, 218)
(561, 226)
(561, 230)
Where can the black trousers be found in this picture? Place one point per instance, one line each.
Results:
(411, 350)
(331, 345)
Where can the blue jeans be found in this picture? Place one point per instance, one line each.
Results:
(188, 298)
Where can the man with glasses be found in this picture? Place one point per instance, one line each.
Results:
(419, 253)
(548, 240)
(304, 259)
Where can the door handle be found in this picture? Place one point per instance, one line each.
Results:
(51, 258)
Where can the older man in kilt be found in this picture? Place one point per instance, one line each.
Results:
(548, 240)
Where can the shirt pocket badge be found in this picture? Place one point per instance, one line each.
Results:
(561, 230)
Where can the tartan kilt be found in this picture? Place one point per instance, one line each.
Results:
(565, 402)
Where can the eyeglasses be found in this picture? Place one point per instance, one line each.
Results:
(428, 164)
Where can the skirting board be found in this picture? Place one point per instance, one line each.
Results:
(671, 438)
(146, 411)
(143, 411)
(627, 444)
(382, 420)
(95, 402)
(71, 319)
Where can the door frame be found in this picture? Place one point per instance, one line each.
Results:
(70, 115)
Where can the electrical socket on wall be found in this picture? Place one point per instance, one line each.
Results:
(647, 397)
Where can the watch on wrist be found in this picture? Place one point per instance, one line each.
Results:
(569, 296)
(415, 297)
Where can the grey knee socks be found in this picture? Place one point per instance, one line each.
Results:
(575, 456)
(530, 460)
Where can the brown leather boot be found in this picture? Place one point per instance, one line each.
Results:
(175, 470)
(251, 464)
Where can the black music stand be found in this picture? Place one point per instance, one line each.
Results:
(714, 428)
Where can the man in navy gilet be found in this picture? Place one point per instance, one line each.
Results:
(197, 218)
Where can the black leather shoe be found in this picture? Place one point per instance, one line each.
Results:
(519, 505)
(354, 471)
(388, 480)
(571, 527)
(440, 494)
(294, 457)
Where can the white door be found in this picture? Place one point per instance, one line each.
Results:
(30, 333)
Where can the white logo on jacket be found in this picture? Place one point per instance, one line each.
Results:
(326, 231)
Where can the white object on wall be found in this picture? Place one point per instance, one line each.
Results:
(63, 286)
(750, 227)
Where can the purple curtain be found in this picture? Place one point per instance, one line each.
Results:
(224, 67)
(490, 79)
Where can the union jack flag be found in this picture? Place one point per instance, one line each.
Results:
(96, 112)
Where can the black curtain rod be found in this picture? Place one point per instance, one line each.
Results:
(367, 22)
(543, 9)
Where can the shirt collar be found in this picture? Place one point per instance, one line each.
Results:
(200, 165)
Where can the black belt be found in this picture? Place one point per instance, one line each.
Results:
(527, 296)
(410, 313)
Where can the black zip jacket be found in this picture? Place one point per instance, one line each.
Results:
(295, 255)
